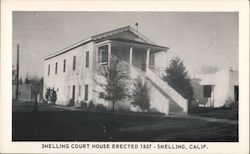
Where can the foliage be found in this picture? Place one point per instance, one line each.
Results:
(71, 102)
(231, 103)
(83, 104)
(140, 94)
(51, 95)
(47, 94)
(36, 86)
(91, 106)
(177, 77)
(101, 107)
(116, 76)
(14, 75)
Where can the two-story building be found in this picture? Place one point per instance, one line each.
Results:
(72, 71)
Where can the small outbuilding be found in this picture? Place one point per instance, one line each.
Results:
(216, 89)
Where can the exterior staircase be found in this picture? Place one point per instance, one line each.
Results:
(177, 103)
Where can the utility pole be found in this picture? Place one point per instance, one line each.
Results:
(17, 72)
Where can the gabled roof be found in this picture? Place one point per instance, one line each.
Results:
(100, 36)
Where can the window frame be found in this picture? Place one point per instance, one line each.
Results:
(103, 50)
(74, 63)
(64, 65)
(86, 92)
(56, 68)
(49, 70)
(87, 59)
(207, 91)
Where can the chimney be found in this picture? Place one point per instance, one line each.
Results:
(137, 26)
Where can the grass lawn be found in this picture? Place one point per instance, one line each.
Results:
(220, 113)
(91, 126)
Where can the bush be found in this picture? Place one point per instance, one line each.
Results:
(71, 102)
(91, 106)
(84, 104)
(140, 94)
(101, 107)
(53, 96)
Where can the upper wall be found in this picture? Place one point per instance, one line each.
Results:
(80, 68)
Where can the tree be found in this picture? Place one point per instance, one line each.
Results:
(36, 89)
(177, 77)
(115, 85)
(140, 94)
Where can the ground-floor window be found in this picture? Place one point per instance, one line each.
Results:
(86, 92)
(73, 92)
(207, 90)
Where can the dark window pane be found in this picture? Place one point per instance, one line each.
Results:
(56, 69)
(48, 69)
(64, 65)
(87, 59)
(74, 62)
(86, 92)
(207, 90)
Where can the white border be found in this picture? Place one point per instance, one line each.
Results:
(6, 144)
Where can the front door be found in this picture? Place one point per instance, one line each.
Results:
(73, 92)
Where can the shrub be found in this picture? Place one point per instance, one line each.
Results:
(53, 96)
(101, 107)
(71, 102)
(91, 106)
(47, 94)
(140, 94)
(84, 104)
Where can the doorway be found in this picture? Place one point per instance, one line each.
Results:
(73, 92)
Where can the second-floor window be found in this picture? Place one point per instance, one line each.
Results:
(56, 68)
(74, 63)
(48, 69)
(87, 59)
(103, 54)
(64, 65)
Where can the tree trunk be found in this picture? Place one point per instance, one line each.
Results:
(35, 108)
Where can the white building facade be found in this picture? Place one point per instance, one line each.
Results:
(216, 89)
(72, 71)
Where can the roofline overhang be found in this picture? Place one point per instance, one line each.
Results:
(102, 35)
(152, 46)
(76, 45)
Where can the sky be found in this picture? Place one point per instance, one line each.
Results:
(200, 39)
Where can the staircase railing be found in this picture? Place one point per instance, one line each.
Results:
(180, 100)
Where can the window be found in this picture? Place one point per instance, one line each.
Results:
(56, 68)
(103, 54)
(207, 90)
(86, 92)
(87, 59)
(48, 69)
(64, 65)
(74, 63)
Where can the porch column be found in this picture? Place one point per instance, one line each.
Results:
(166, 58)
(147, 60)
(130, 58)
(109, 53)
